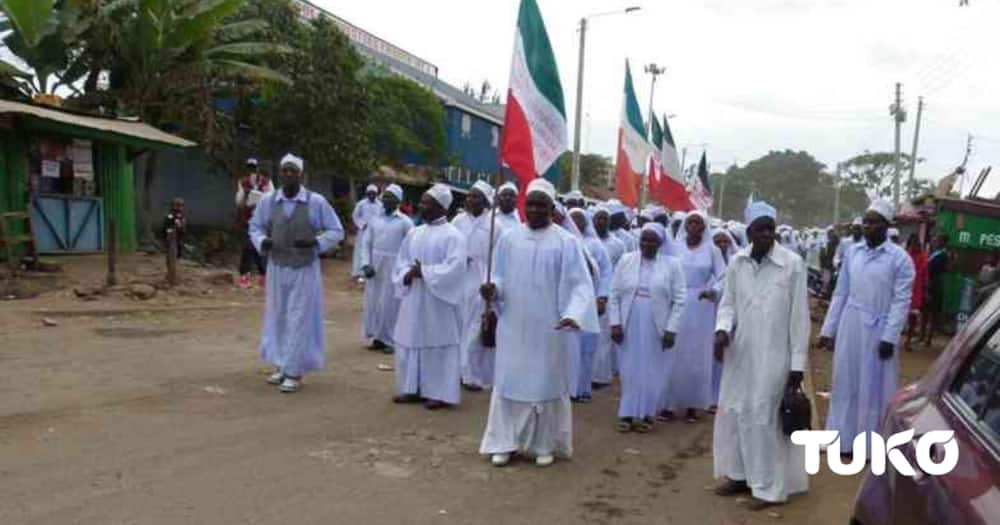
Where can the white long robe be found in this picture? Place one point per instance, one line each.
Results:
(583, 375)
(364, 212)
(477, 361)
(429, 326)
(768, 304)
(870, 305)
(691, 381)
(293, 339)
(379, 250)
(541, 277)
(605, 357)
(507, 221)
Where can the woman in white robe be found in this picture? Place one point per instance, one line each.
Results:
(645, 308)
(599, 258)
(691, 381)
(605, 357)
(726, 244)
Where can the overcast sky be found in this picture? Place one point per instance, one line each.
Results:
(745, 77)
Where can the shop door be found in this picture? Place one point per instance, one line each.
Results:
(66, 224)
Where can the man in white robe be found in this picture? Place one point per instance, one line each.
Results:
(474, 224)
(364, 211)
(292, 227)
(766, 299)
(543, 291)
(867, 313)
(855, 238)
(507, 216)
(429, 278)
(378, 261)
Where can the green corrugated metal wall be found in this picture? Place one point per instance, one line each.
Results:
(115, 179)
(13, 178)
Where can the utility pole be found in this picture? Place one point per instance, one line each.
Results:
(899, 116)
(913, 156)
(655, 71)
(836, 197)
(684, 154)
(575, 174)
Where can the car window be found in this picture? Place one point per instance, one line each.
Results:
(978, 385)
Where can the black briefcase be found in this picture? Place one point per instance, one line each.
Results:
(795, 411)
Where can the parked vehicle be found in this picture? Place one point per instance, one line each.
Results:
(960, 392)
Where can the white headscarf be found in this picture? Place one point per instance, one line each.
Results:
(656, 228)
(588, 229)
(442, 194)
(395, 190)
(567, 222)
(484, 188)
(292, 160)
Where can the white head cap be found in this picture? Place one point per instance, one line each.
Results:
(883, 208)
(442, 194)
(395, 190)
(893, 232)
(507, 186)
(542, 186)
(574, 195)
(251, 161)
(856, 222)
(484, 188)
(371, 189)
(290, 159)
(758, 209)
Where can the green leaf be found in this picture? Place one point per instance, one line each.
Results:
(249, 49)
(10, 70)
(237, 30)
(251, 71)
(31, 18)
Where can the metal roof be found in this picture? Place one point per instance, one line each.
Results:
(126, 128)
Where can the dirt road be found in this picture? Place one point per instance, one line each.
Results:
(164, 418)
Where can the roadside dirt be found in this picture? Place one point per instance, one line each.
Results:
(156, 412)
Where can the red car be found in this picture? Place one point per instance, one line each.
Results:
(960, 392)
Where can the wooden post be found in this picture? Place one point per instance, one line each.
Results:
(112, 252)
(172, 257)
(8, 245)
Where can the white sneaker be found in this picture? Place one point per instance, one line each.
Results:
(290, 385)
(500, 460)
(275, 378)
(544, 461)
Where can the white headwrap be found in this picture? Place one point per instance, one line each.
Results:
(442, 194)
(758, 209)
(542, 186)
(678, 216)
(601, 208)
(252, 161)
(507, 186)
(371, 189)
(588, 227)
(293, 160)
(395, 190)
(656, 228)
(883, 208)
(857, 221)
(484, 188)
(647, 214)
(893, 232)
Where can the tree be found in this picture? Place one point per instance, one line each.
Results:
(594, 170)
(874, 171)
(325, 115)
(407, 120)
(794, 182)
(46, 35)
